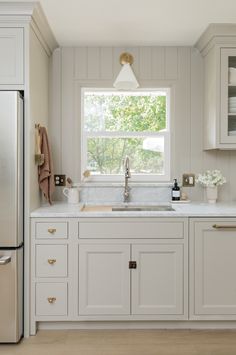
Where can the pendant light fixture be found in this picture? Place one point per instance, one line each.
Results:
(126, 79)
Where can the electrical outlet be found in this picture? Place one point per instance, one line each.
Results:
(60, 180)
(188, 180)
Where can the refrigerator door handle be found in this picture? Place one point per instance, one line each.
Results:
(5, 260)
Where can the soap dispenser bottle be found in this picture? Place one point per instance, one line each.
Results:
(175, 191)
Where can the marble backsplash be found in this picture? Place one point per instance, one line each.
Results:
(114, 194)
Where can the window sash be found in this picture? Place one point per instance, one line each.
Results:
(120, 134)
(135, 177)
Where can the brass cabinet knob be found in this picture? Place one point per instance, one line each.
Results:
(51, 300)
(52, 230)
(52, 261)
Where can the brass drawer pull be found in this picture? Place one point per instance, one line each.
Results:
(52, 261)
(217, 226)
(52, 230)
(51, 300)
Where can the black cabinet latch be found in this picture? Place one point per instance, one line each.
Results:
(132, 264)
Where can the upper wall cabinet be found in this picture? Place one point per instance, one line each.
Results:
(228, 96)
(12, 56)
(218, 48)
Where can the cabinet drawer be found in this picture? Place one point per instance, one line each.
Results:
(51, 299)
(131, 229)
(51, 260)
(48, 230)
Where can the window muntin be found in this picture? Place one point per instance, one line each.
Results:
(116, 124)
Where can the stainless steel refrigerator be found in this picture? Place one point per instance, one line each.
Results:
(11, 216)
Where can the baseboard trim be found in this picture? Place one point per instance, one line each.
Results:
(137, 325)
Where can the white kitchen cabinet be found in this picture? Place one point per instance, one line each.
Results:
(51, 299)
(12, 56)
(52, 230)
(218, 48)
(109, 285)
(51, 270)
(51, 260)
(104, 279)
(109, 269)
(228, 96)
(213, 269)
(155, 285)
(26, 45)
(219, 124)
(158, 280)
(111, 228)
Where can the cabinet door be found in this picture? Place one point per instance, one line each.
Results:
(12, 56)
(158, 280)
(104, 279)
(213, 257)
(228, 96)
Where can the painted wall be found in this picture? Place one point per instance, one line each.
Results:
(39, 107)
(180, 68)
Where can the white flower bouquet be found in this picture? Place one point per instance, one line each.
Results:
(211, 178)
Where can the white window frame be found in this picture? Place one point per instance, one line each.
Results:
(101, 134)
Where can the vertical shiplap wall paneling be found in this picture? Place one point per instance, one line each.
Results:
(116, 60)
(93, 63)
(196, 131)
(77, 133)
(55, 131)
(55, 121)
(81, 63)
(158, 63)
(171, 62)
(223, 164)
(145, 63)
(182, 113)
(179, 67)
(232, 179)
(106, 63)
(69, 155)
(209, 162)
(81, 57)
(39, 65)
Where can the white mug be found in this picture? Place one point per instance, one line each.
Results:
(72, 194)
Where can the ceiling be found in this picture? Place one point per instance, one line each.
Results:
(134, 22)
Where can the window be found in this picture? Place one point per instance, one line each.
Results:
(117, 124)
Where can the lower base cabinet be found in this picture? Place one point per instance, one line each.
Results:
(51, 299)
(158, 281)
(123, 279)
(104, 279)
(213, 269)
(81, 270)
(108, 269)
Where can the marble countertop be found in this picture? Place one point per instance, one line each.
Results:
(180, 210)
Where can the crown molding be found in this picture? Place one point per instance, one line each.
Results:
(17, 8)
(42, 24)
(30, 12)
(214, 33)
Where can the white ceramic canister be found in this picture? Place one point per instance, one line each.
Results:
(212, 194)
(72, 194)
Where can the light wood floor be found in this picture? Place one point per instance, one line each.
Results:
(126, 342)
